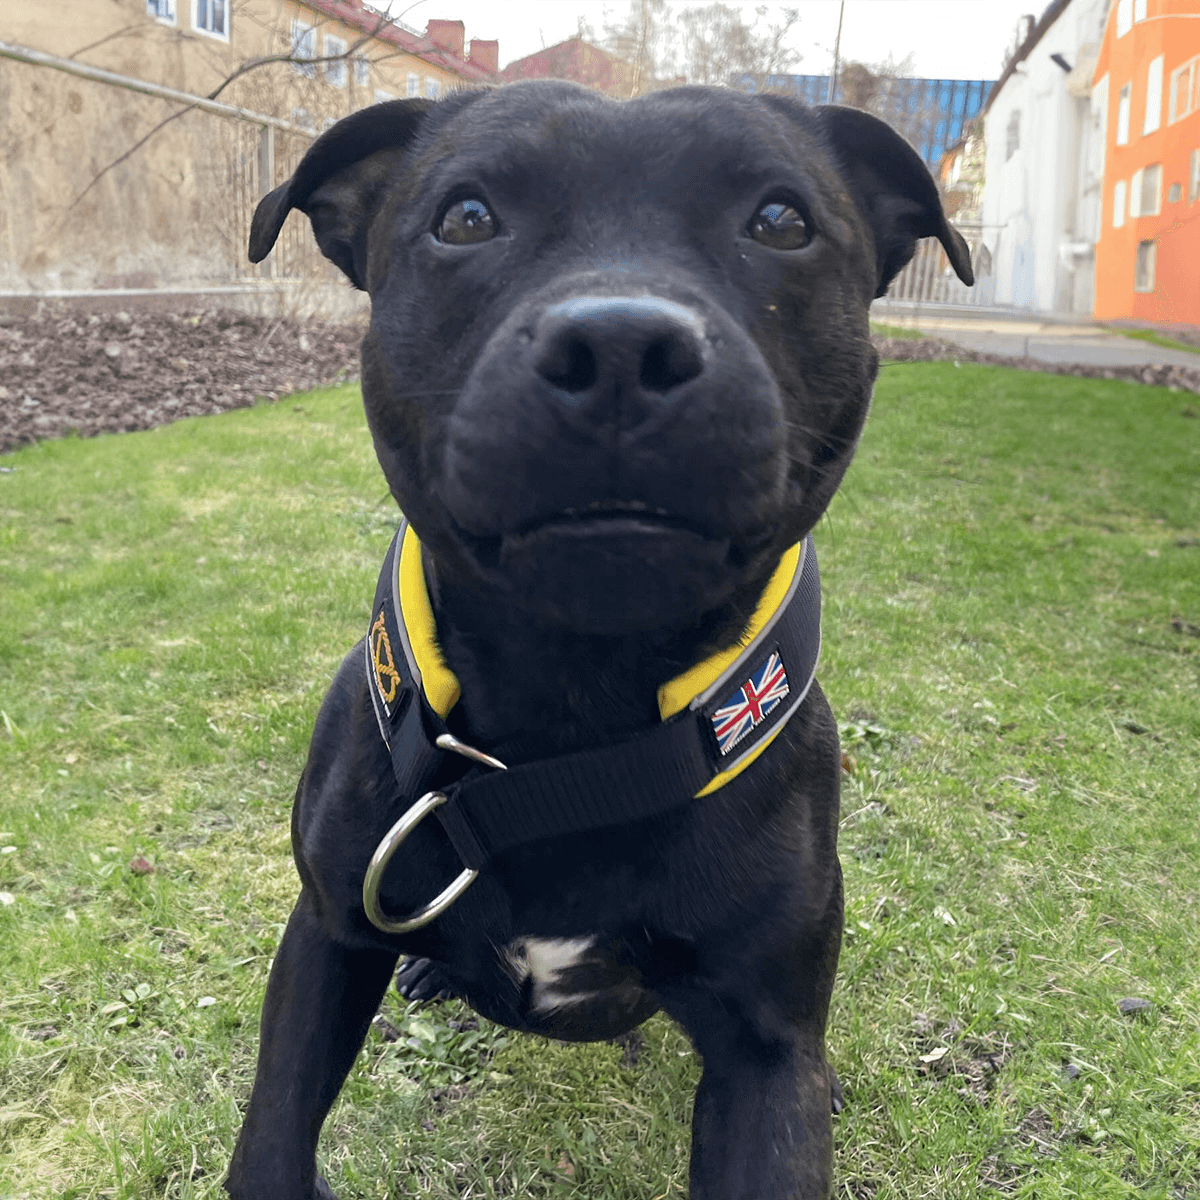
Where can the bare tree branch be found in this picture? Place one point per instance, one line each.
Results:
(126, 31)
(245, 68)
(116, 162)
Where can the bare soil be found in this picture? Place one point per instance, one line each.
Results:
(64, 371)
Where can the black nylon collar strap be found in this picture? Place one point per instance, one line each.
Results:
(746, 699)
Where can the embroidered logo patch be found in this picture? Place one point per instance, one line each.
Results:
(751, 704)
(387, 678)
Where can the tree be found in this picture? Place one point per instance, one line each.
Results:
(646, 40)
(711, 44)
(718, 45)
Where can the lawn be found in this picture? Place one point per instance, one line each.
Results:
(897, 331)
(1155, 339)
(1012, 642)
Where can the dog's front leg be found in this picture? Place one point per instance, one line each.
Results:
(761, 1128)
(762, 1123)
(321, 997)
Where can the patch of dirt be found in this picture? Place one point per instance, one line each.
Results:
(1185, 379)
(970, 1063)
(65, 371)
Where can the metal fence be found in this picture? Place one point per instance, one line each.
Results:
(930, 279)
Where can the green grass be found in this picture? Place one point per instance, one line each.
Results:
(897, 331)
(1012, 604)
(1156, 339)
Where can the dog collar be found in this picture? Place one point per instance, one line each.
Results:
(717, 718)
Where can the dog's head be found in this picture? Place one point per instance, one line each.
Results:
(618, 358)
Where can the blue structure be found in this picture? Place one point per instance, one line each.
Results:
(931, 113)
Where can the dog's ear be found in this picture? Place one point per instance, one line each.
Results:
(340, 183)
(894, 190)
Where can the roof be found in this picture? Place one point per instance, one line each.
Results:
(354, 13)
(1054, 10)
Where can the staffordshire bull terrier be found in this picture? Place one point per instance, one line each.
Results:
(579, 771)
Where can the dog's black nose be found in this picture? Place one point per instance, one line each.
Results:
(616, 359)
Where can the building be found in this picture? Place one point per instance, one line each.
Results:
(580, 62)
(1148, 253)
(138, 136)
(932, 113)
(961, 175)
(1044, 136)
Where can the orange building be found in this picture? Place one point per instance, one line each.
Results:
(1148, 252)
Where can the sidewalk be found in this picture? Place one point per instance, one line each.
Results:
(1036, 335)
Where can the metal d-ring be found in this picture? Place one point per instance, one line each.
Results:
(395, 838)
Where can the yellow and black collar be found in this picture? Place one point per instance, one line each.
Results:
(717, 717)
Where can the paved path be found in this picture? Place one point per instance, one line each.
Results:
(999, 332)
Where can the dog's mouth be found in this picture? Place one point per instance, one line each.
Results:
(612, 516)
(630, 522)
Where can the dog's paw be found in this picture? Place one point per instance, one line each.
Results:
(421, 979)
(837, 1100)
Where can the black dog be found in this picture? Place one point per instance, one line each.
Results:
(617, 365)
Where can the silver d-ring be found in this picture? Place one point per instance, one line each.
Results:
(392, 841)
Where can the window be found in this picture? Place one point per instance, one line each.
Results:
(162, 10)
(413, 85)
(433, 89)
(362, 70)
(209, 16)
(1123, 116)
(1183, 91)
(304, 47)
(1194, 177)
(382, 97)
(1012, 135)
(1139, 10)
(1119, 204)
(1143, 276)
(1124, 17)
(304, 119)
(335, 71)
(1145, 193)
(1174, 193)
(1154, 82)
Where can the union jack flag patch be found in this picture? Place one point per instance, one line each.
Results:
(751, 704)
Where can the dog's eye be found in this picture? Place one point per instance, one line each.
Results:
(466, 222)
(780, 226)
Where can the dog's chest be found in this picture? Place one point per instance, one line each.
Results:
(569, 985)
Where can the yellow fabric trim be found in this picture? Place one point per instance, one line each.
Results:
(678, 693)
(442, 689)
(719, 781)
(437, 680)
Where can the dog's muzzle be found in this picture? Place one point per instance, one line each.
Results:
(615, 461)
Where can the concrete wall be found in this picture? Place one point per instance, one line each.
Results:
(84, 208)
(1042, 194)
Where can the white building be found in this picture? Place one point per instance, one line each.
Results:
(1044, 129)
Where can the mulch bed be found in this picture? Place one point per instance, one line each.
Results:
(66, 371)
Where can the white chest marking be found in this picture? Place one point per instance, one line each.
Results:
(545, 962)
